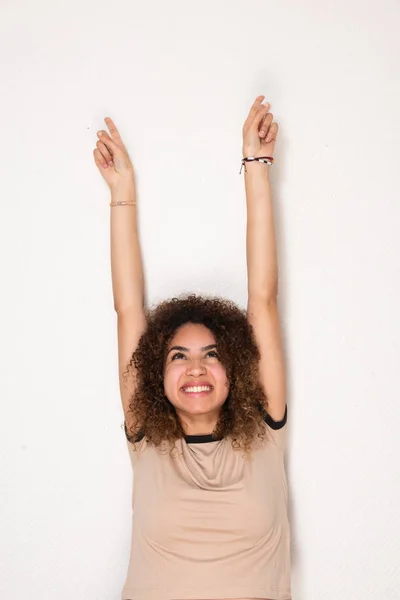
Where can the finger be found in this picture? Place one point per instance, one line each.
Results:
(259, 116)
(99, 159)
(107, 141)
(253, 111)
(113, 130)
(255, 106)
(273, 131)
(104, 151)
(266, 123)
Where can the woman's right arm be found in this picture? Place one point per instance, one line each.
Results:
(126, 261)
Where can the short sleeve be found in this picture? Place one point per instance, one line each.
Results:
(139, 436)
(135, 446)
(276, 429)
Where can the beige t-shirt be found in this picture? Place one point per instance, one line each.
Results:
(210, 523)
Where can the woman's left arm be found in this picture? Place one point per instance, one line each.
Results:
(261, 254)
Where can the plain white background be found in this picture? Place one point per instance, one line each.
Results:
(178, 78)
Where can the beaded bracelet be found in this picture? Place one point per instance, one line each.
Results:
(265, 159)
(121, 203)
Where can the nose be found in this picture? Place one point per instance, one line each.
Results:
(195, 367)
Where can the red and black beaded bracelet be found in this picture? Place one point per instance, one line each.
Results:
(265, 159)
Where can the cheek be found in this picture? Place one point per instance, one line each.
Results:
(172, 376)
(219, 374)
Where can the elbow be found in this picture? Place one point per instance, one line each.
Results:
(265, 296)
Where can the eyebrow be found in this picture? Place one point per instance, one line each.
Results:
(187, 349)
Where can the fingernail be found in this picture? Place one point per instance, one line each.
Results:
(262, 132)
(99, 133)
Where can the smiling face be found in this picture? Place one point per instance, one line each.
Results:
(195, 380)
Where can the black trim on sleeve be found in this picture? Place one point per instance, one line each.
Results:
(270, 421)
(139, 436)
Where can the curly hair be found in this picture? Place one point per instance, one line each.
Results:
(241, 415)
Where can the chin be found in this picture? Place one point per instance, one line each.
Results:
(200, 407)
(195, 407)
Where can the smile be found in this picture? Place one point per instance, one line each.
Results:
(197, 390)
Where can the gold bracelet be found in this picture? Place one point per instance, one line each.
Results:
(121, 203)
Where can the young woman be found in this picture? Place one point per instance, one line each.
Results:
(203, 393)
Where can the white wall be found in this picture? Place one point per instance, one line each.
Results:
(178, 78)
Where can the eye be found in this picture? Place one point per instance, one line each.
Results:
(212, 352)
(177, 354)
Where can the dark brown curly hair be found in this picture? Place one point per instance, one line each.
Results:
(242, 413)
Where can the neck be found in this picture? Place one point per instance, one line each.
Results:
(202, 424)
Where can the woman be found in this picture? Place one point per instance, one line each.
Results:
(203, 393)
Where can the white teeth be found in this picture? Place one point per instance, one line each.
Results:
(198, 388)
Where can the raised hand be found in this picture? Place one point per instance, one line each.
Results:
(259, 132)
(112, 158)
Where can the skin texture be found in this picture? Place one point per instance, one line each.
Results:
(159, 410)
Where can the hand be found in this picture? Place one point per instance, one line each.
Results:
(112, 158)
(259, 132)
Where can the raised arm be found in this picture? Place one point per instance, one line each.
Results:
(261, 254)
(126, 261)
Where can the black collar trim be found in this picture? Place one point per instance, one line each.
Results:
(200, 438)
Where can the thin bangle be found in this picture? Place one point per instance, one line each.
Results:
(122, 203)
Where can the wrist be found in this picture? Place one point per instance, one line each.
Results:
(256, 168)
(124, 191)
(246, 152)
